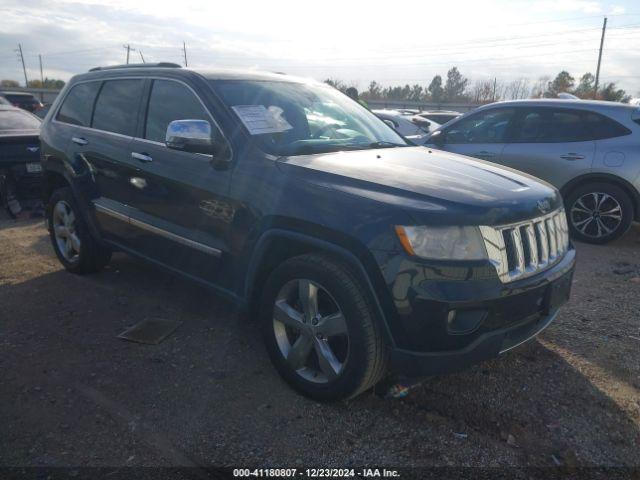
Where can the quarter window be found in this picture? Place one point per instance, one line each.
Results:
(170, 101)
(117, 106)
(76, 107)
(603, 127)
(485, 127)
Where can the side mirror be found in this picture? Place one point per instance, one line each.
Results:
(190, 136)
(437, 138)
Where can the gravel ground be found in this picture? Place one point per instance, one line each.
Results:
(72, 394)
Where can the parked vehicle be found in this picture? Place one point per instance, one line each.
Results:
(357, 253)
(440, 116)
(589, 150)
(20, 169)
(412, 128)
(23, 100)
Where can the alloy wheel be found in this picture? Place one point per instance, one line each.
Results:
(64, 230)
(596, 214)
(311, 331)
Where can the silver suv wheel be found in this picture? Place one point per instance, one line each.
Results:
(311, 331)
(596, 214)
(64, 230)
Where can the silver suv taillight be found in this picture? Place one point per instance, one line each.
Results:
(523, 249)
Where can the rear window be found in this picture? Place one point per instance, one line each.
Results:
(19, 98)
(76, 108)
(635, 116)
(17, 120)
(604, 127)
(117, 106)
(547, 125)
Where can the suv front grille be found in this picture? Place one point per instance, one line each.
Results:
(526, 248)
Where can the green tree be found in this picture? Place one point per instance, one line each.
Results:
(562, 83)
(51, 83)
(436, 92)
(9, 83)
(454, 88)
(585, 86)
(611, 93)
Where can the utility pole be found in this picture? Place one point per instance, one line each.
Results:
(41, 78)
(141, 56)
(495, 80)
(24, 69)
(604, 29)
(184, 49)
(128, 47)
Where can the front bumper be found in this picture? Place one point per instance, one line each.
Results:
(510, 315)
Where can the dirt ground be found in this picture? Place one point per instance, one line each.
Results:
(72, 394)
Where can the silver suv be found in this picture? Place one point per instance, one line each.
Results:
(589, 150)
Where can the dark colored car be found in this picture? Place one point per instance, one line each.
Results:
(356, 253)
(20, 168)
(25, 101)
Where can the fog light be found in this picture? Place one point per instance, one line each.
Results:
(460, 322)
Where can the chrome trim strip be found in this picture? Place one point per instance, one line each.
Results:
(159, 231)
(547, 240)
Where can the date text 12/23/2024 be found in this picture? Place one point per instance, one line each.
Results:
(315, 473)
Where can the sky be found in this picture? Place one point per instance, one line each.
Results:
(354, 41)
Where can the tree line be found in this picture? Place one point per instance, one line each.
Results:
(456, 88)
(51, 83)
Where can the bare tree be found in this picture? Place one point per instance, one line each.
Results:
(517, 89)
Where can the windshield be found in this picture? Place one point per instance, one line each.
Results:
(297, 118)
(18, 120)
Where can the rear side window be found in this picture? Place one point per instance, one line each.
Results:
(170, 101)
(76, 107)
(117, 106)
(551, 126)
(20, 98)
(604, 127)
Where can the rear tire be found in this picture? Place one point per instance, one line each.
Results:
(355, 345)
(74, 245)
(598, 212)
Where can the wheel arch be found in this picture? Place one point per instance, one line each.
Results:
(606, 178)
(276, 245)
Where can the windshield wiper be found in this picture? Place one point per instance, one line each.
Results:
(383, 144)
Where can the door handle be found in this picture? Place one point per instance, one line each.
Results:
(572, 156)
(485, 154)
(79, 140)
(143, 157)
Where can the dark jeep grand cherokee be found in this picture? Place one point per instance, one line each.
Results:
(358, 253)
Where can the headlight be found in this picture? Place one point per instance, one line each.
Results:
(443, 243)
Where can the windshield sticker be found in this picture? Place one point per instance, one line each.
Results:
(259, 119)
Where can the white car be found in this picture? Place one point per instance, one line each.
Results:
(411, 127)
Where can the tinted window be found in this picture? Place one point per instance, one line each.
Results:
(602, 127)
(484, 127)
(551, 126)
(170, 101)
(117, 106)
(17, 120)
(76, 108)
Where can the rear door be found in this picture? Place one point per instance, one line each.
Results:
(481, 135)
(554, 144)
(179, 200)
(104, 147)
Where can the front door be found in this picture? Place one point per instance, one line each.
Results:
(481, 135)
(179, 201)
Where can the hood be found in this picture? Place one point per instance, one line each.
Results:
(427, 180)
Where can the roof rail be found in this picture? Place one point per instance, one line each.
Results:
(138, 65)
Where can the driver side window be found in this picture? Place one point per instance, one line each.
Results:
(485, 127)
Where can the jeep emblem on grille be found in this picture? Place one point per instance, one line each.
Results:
(544, 206)
(33, 149)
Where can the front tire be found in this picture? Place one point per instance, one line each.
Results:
(598, 212)
(321, 328)
(76, 249)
